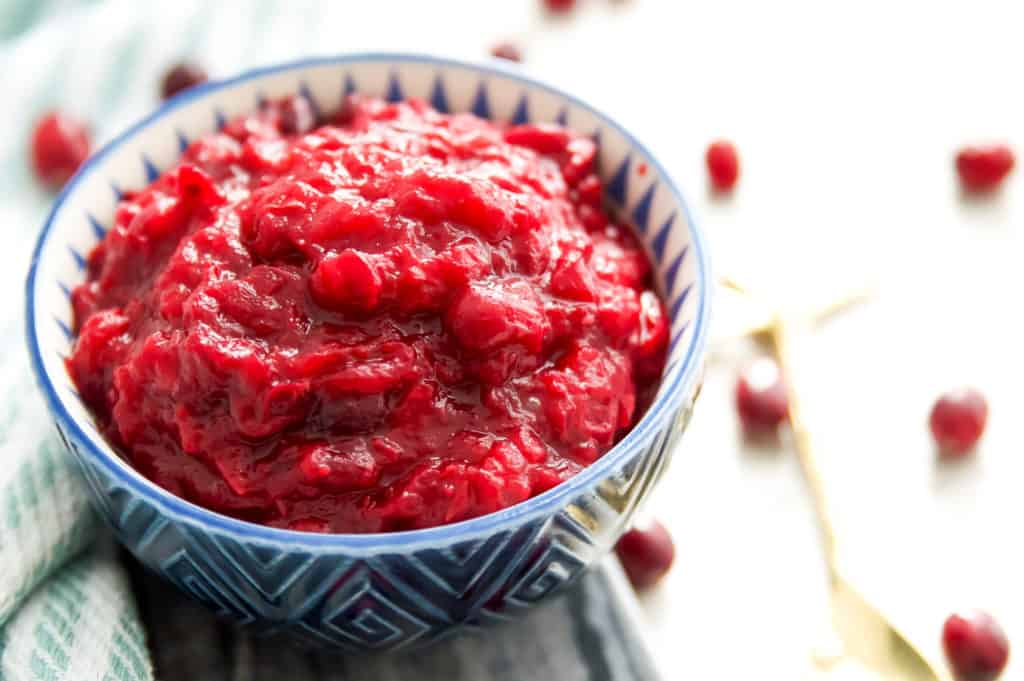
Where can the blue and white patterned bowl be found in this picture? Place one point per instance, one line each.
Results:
(384, 591)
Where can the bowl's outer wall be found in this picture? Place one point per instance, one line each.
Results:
(385, 601)
(398, 595)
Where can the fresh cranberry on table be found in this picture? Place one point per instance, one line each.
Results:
(181, 77)
(723, 165)
(60, 144)
(297, 116)
(559, 5)
(958, 420)
(975, 645)
(761, 399)
(983, 168)
(646, 554)
(507, 51)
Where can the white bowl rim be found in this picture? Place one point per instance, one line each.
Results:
(664, 406)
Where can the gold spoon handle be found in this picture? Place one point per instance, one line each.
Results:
(786, 334)
(762, 322)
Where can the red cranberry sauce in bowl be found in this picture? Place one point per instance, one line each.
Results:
(388, 320)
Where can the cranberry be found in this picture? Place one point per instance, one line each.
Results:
(976, 646)
(60, 144)
(297, 116)
(181, 77)
(590, 191)
(343, 116)
(346, 280)
(507, 51)
(958, 420)
(485, 318)
(559, 5)
(983, 169)
(761, 398)
(723, 165)
(646, 554)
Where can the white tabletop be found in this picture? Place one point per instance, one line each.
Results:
(847, 116)
(847, 122)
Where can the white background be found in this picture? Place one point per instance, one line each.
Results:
(847, 116)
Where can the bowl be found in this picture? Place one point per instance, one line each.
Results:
(365, 592)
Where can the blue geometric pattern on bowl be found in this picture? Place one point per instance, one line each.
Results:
(389, 591)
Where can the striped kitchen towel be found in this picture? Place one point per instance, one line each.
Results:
(66, 608)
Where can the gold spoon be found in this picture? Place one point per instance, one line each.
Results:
(869, 640)
(758, 321)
